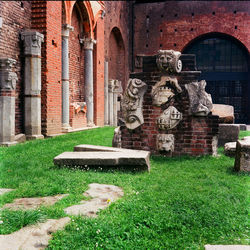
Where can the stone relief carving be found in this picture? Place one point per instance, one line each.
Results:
(115, 86)
(165, 143)
(168, 61)
(200, 101)
(7, 77)
(32, 42)
(132, 103)
(164, 90)
(169, 119)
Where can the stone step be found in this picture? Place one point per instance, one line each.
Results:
(131, 158)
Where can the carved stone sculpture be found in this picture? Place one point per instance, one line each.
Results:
(164, 90)
(168, 61)
(117, 139)
(132, 103)
(32, 42)
(165, 143)
(200, 101)
(169, 119)
(8, 78)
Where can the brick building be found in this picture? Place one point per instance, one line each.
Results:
(71, 41)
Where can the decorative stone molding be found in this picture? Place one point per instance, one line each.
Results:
(164, 90)
(7, 77)
(168, 61)
(66, 30)
(165, 143)
(32, 42)
(132, 103)
(200, 101)
(88, 43)
(169, 119)
(79, 107)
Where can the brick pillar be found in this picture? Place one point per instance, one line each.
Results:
(7, 102)
(65, 77)
(88, 77)
(32, 81)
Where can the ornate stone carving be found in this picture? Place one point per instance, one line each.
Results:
(165, 143)
(7, 77)
(169, 119)
(168, 61)
(200, 101)
(132, 103)
(115, 86)
(164, 90)
(117, 139)
(66, 30)
(88, 43)
(32, 42)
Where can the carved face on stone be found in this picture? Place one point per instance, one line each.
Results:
(165, 142)
(169, 119)
(168, 61)
(164, 90)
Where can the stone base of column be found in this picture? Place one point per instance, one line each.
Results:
(34, 137)
(66, 128)
(8, 144)
(90, 124)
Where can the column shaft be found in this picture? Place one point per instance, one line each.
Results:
(106, 94)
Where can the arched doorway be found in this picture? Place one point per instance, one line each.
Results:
(224, 63)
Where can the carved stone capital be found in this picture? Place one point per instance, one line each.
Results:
(132, 103)
(115, 86)
(168, 61)
(7, 77)
(88, 43)
(66, 30)
(32, 42)
(165, 143)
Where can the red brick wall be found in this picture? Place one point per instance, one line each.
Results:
(46, 18)
(76, 70)
(16, 17)
(174, 24)
(117, 16)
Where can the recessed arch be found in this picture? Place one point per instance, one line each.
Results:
(116, 56)
(224, 62)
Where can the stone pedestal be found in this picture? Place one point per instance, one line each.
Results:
(88, 77)
(65, 77)
(7, 102)
(32, 81)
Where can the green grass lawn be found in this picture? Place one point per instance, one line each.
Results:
(183, 203)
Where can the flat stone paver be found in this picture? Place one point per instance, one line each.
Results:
(5, 190)
(102, 196)
(32, 237)
(33, 203)
(131, 158)
(227, 247)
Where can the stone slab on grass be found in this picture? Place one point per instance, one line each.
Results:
(227, 247)
(242, 155)
(228, 133)
(32, 237)
(33, 203)
(102, 195)
(131, 158)
(5, 190)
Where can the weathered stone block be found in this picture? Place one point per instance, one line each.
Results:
(228, 133)
(230, 148)
(225, 113)
(242, 157)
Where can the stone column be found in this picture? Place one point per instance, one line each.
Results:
(7, 102)
(111, 102)
(106, 94)
(88, 79)
(116, 91)
(32, 83)
(65, 77)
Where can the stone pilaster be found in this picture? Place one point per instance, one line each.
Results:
(8, 80)
(32, 81)
(65, 77)
(88, 77)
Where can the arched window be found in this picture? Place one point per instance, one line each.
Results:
(224, 65)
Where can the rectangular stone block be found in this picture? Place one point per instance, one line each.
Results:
(242, 157)
(136, 159)
(228, 133)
